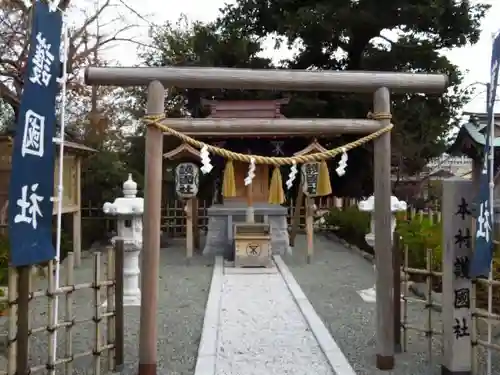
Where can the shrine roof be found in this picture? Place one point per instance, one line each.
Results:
(471, 138)
(73, 146)
(77, 146)
(245, 108)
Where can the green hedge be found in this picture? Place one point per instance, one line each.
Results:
(351, 225)
(418, 234)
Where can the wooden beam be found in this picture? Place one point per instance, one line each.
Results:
(267, 79)
(271, 127)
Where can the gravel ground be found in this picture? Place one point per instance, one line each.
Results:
(331, 283)
(183, 295)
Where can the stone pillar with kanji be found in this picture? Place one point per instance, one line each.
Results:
(457, 201)
(129, 210)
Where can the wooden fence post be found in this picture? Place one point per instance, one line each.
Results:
(396, 258)
(23, 329)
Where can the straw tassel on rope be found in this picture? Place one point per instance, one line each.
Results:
(228, 183)
(276, 193)
(324, 184)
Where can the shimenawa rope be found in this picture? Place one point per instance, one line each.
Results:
(275, 161)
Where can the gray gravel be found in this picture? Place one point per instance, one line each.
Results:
(331, 283)
(182, 299)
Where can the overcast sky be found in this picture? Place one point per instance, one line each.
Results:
(474, 61)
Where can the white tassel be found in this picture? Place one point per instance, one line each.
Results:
(292, 175)
(251, 172)
(205, 160)
(342, 163)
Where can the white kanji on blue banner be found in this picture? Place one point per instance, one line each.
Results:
(483, 254)
(32, 177)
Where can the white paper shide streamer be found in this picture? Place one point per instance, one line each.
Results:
(205, 160)
(251, 172)
(292, 175)
(342, 163)
(53, 5)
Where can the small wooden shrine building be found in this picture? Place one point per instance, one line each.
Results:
(73, 154)
(249, 143)
(470, 141)
(280, 143)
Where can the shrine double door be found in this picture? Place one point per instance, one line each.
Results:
(260, 183)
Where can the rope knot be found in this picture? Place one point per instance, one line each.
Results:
(379, 115)
(152, 119)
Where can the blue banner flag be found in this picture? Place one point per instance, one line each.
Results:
(483, 253)
(32, 177)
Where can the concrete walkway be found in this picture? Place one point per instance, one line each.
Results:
(258, 321)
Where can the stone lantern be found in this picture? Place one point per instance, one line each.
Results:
(368, 205)
(129, 210)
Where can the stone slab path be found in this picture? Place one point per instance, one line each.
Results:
(260, 322)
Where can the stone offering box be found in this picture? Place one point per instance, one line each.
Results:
(252, 245)
(223, 217)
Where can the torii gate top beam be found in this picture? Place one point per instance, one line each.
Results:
(268, 79)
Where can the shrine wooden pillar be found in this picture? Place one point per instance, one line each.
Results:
(196, 225)
(383, 236)
(295, 222)
(151, 234)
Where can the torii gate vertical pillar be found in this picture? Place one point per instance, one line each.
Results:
(383, 236)
(151, 233)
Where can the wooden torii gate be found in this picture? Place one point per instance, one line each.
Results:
(380, 84)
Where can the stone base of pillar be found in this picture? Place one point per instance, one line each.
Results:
(385, 363)
(128, 300)
(446, 371)
(132, 300)
(368, 295)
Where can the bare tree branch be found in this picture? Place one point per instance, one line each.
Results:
(8, 96)
(83, 43)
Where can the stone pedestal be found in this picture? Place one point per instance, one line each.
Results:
(370, 294)
(129, 210)
(222, 217)
(131, 275)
